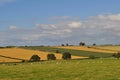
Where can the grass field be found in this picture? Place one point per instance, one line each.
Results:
(25, 54)
(98, 69)
(73, 52)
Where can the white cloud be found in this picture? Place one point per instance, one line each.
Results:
(114, 17)
(96, 29)
(13, 27)
(45, 26)
(32, 37)
(75, 24)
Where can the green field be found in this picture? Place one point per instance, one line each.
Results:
(97, 69)
(73, 52)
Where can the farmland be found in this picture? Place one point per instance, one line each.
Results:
(25, 54)
(100, 69)
(109, 48)
(77, 52)
(92, 49)
(105, 68)
(72, 51)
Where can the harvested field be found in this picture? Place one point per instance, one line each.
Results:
(112, 48)
(25, 54)
(85, 48)
(2, 59)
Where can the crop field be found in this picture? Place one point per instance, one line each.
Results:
(112, 48)
(25, 54)
(85, 48)
(96, 69)
(76, 51)
(72, 51)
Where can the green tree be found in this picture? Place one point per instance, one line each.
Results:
(34, 58)
(51, 57)
(94, 44)
(92, 57)
(62, 45)
(66, 56)
(67, 44)
(82, 44)
(117, 55)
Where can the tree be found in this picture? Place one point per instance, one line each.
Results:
(67, 44)
(66, 56)
(34, 58)
(117, 55)
(114, 55)
(82, 44)
(62, 45)
(51, 57)
(94, 44)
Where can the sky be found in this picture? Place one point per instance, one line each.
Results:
(55, 22)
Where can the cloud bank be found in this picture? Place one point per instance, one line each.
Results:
(101, 29)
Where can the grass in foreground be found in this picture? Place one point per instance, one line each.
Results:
(99, 69)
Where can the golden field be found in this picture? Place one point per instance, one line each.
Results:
(25, 54)
(112, 48)
(85, 48)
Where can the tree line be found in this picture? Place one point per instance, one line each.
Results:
(65, 56)
(80, 44)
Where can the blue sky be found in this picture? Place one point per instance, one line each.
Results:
(51, 22)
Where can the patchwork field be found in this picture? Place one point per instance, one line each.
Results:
(25, 54)
(89, 69)
(74, 52)
(92, 49)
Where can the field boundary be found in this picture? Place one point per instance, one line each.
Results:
(11, 58)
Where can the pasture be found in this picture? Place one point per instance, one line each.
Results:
(98, 69)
